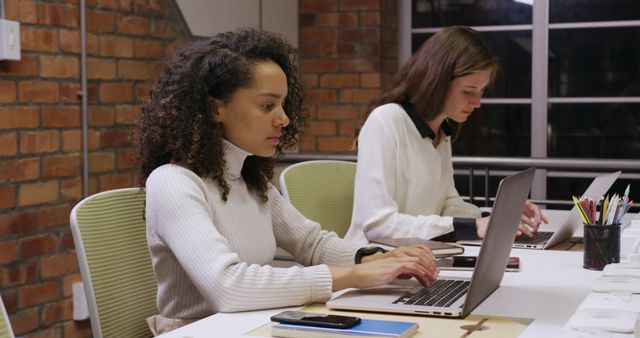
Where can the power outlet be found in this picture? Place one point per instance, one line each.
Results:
(9, 40)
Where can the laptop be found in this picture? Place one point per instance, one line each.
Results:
(454, 297)
(546, 239)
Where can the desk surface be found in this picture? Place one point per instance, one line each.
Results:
(548, 289)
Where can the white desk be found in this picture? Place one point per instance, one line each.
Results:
(549, 287)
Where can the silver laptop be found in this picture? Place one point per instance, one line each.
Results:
(455, 297)
(546, 239)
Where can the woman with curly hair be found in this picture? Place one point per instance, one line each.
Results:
(404, 180)
(217, 114)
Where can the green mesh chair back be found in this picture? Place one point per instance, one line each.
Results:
(109, 233)
(322, 191)
(5, 325)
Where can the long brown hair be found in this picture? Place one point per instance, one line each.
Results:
(424, 80)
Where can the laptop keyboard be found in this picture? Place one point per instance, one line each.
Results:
(538, 238)
(441, 293)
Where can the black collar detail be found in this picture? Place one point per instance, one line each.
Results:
(421, 124)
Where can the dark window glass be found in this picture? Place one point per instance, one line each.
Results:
(562, 188)
(605, 130)
(513, 50)
(594, 62)
(496, 130)
(593, 10)
(440, 13)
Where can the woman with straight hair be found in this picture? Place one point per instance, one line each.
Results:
(404, 179)
(215, 117)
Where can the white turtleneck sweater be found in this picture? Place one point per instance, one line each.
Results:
(213, 256)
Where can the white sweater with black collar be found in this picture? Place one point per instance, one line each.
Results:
(213, 256)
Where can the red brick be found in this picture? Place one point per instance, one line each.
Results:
(310, 34)
(71, 93)
(18, 222)
(370, 80)
(8, 144)
(358, 95)
(124, 159)
(132, 25)
(39, 40)
(359, 4)
(150, 6)
(19, 274)
(26, 66)
(317, 5)
(127, 114)
(37, 245)
(58, 15)
(337, 112)
(61, 166)
(160, 29)
(116, 46)
(100, 162)
(21, 10)
(115, 181)
(72, 140)
(45, 141)
(57, 311)
(308, 50)
(327, 50)
(58, 265)
(38, 193)
(118, 5)
(71, 190)
(321, 128)
(39, 91)
(55, 332)
(142, 92)
(322, 96)
(369, 18)
(103, 22)
(155, 68)
(7, 197)
(115, 137)
(55, 215)
(7, 91)
(337, 19)
(68, 281)
(339, 80)
(101, 116)
(335, 143)
(319, 66)
(38, 293)
(67, 244)
(59, 67)
(308, 143)
(101, 69)
(20, 170)
(19, 117)
(348, 128)
(116, 92)
(73, 329)
(70, 42)
(7, 252)
(133, 70)
(358, 65)
(61, 116)
(309, 80)
(148, 49)
(347, 50)
(24, 321)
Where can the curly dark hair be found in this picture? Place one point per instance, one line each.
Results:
(177, 123)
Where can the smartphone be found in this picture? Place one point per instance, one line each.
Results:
(469, 262)
(316, 319)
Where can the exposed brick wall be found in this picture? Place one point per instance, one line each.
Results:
(40, 139)
(348, 51)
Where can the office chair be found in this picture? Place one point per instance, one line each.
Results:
(322, 191)
(109, 233)
(5, 324)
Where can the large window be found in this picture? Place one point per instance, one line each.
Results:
(591, 91)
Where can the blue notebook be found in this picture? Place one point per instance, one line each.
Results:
(366, 328)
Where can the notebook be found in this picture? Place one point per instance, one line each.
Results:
(455, 297)
(546, 239)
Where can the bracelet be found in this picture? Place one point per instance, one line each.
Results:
(366, 251)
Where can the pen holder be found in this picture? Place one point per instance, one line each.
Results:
(601, 245)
